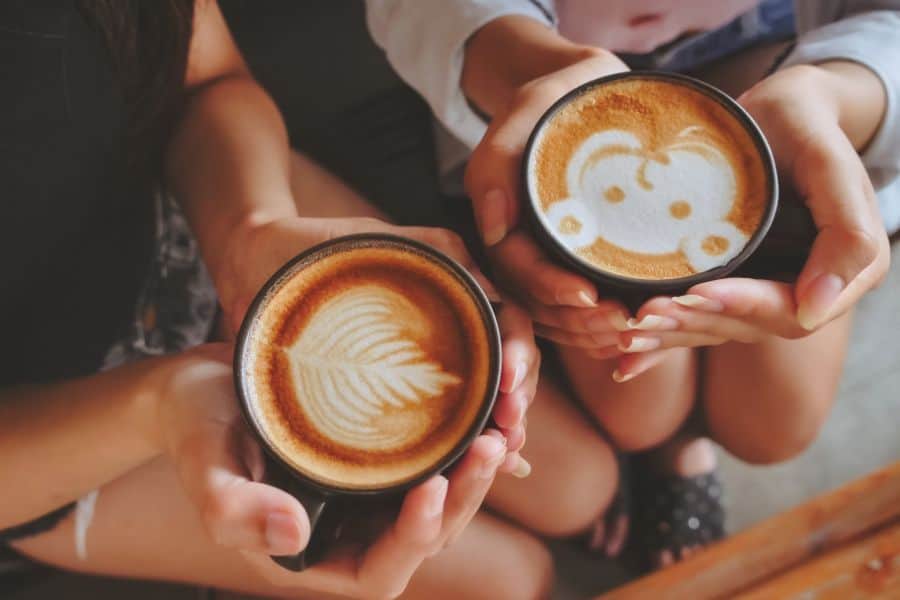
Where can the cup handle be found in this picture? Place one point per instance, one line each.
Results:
(324, 522)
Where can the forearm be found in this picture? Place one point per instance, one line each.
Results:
(511, 51)
(860, 99)
(228, 165)
(59, 441)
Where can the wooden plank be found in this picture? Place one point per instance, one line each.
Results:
(778, 543)
(867, 568)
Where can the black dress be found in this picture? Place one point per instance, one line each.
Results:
(75, 230)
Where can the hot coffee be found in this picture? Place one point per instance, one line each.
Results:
(367, 364)
(648, 178)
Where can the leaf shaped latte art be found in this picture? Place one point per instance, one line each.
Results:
(356, 361)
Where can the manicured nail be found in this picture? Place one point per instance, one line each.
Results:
(603, 321)
(435, 504)
(820, 297)
(641, 344)
(522, 469)
(497, 454)
(519, 374)
(281, 534)
(699, 302)
(578, 299)
(494, 217)
(619, 378)
(653, 323)
(618, 320)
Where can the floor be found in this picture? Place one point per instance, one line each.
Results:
(860, 436)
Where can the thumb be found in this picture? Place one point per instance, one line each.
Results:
(238, 512)
(842, 202)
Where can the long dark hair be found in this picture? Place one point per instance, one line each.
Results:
(148, 43)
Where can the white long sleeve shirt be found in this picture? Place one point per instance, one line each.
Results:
(424, 42)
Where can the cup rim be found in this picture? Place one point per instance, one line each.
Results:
(363, 240)
(620, 281)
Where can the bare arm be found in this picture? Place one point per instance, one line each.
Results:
(228, 163)
(59, 441)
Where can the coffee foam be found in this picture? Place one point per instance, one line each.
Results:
(369, 365)
(648, 179)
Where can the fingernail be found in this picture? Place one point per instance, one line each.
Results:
(519, 374)
(619, 321)
(653, 323)
(523, 407)
(494, 215)
(699, 302)
(578, 299)
(522, 469)
(619, 378)
(282, 534)
(489, 468)
(821, 296)
(641, 344)
(435, 504)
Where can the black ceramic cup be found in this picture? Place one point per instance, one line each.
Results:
(330, 508)
(634, 291)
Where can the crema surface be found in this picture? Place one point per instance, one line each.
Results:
(648, 179)
(369, 366)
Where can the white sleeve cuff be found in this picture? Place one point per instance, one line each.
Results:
(424, 41)
(873, 40)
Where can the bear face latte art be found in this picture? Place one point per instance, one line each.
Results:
(368, 362)
(648, 178)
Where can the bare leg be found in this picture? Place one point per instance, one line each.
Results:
(766, 402)
(574, 472)
(144, 527)
(640, 414)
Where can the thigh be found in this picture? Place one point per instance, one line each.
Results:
(641, 413)
(765, 402)
(574, 471)
(144, 527)
(319, 193)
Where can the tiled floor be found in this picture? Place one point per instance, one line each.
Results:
(860, 436)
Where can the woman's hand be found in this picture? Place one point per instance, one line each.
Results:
(815, 134)
(260, 251)
(564, 305)
(256, 251)
(218, 461)
(221, 468)
(432, 516)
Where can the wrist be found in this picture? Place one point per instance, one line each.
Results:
(859, 97)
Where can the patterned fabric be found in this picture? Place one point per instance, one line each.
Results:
(176, 310)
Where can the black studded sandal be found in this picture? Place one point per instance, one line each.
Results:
(675, 513)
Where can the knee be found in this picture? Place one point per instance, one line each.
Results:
(530, 576)
(764, 440)
(770, 448)
(630, 438)
(580, 488)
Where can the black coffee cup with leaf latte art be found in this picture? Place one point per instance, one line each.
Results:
(365, 366)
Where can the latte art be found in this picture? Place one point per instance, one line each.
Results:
(682, 195)
(369, 364)
(647, 178)
(357, 359)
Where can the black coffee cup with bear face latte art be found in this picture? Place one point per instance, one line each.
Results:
(365, 366)
(649, 183)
